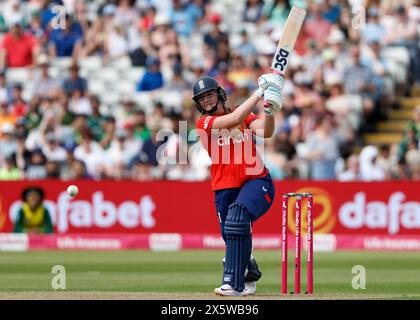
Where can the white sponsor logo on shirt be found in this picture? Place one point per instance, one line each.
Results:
(237, 137)
(206, 123)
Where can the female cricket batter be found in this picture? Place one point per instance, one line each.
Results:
(243, 187)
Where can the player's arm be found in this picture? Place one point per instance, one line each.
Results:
(263, 127)
(265, 82)
(238, 115)
(18, 227)
(2, 57)
(272, 103)
(48, 226)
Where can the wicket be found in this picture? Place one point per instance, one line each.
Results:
(284, 241)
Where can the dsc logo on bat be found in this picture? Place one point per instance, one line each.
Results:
(281, 59)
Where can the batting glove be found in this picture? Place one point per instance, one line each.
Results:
(272, 100)
(269, 79)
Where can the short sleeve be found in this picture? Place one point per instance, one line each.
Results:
(4, 42)
(205, 123)
(250, 119)
(32, 42)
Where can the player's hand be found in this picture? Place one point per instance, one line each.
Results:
(269, 79)
(272, 100)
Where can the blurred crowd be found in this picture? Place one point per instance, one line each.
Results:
(97, 89)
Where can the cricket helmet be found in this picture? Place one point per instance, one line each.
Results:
(206, 84)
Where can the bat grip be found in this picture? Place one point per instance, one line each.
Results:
(278, 73)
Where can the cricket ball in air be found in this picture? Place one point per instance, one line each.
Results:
(72, 190)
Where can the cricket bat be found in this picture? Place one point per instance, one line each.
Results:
(287, 42)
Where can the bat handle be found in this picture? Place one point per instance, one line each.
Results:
(277, 72)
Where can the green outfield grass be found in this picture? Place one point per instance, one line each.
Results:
(388, 274)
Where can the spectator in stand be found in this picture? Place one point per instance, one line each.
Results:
(78, 171)
(67, 41)
(347, 107)
(161, 27)
(183, 17)
(273, 160)
(17, 49)
(373, 60)
(141, 170)
(158, 118)
(178, 85)
(222, 77)
(53, 170)
(276, 12)
(148, 152)
(21, 155)
(411, 140)
(6, 117)
(36, 30)
(369, 169)
(387, 161)
(416, 120)
(44, 85)
(323, 145)
(13, 11)
(79, 103)
(3, 26)
(122, 150)
(8, 142)
(336, 41)
(52, 149)
(3, 87)
(91, 153)
(404, 32)
(239, 72)
(116, 44)
(331, 11)
(246, 48)
(9, 170)
(359, 80)
(147, 19)
(75, 81)
(96, 119)
(126, 14)
(125, 113)
(109, 127)
(139, 126)
(152, 78)
(94, 38)
(36, 136)
(36, 170)
(216, 37)
(46, 12)
(18, 105)
(317, 27)
(330, 73)
(374, 30)
(172, 53)
(412, 158)
(252, 11)
(33, 216)
(353, 170)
